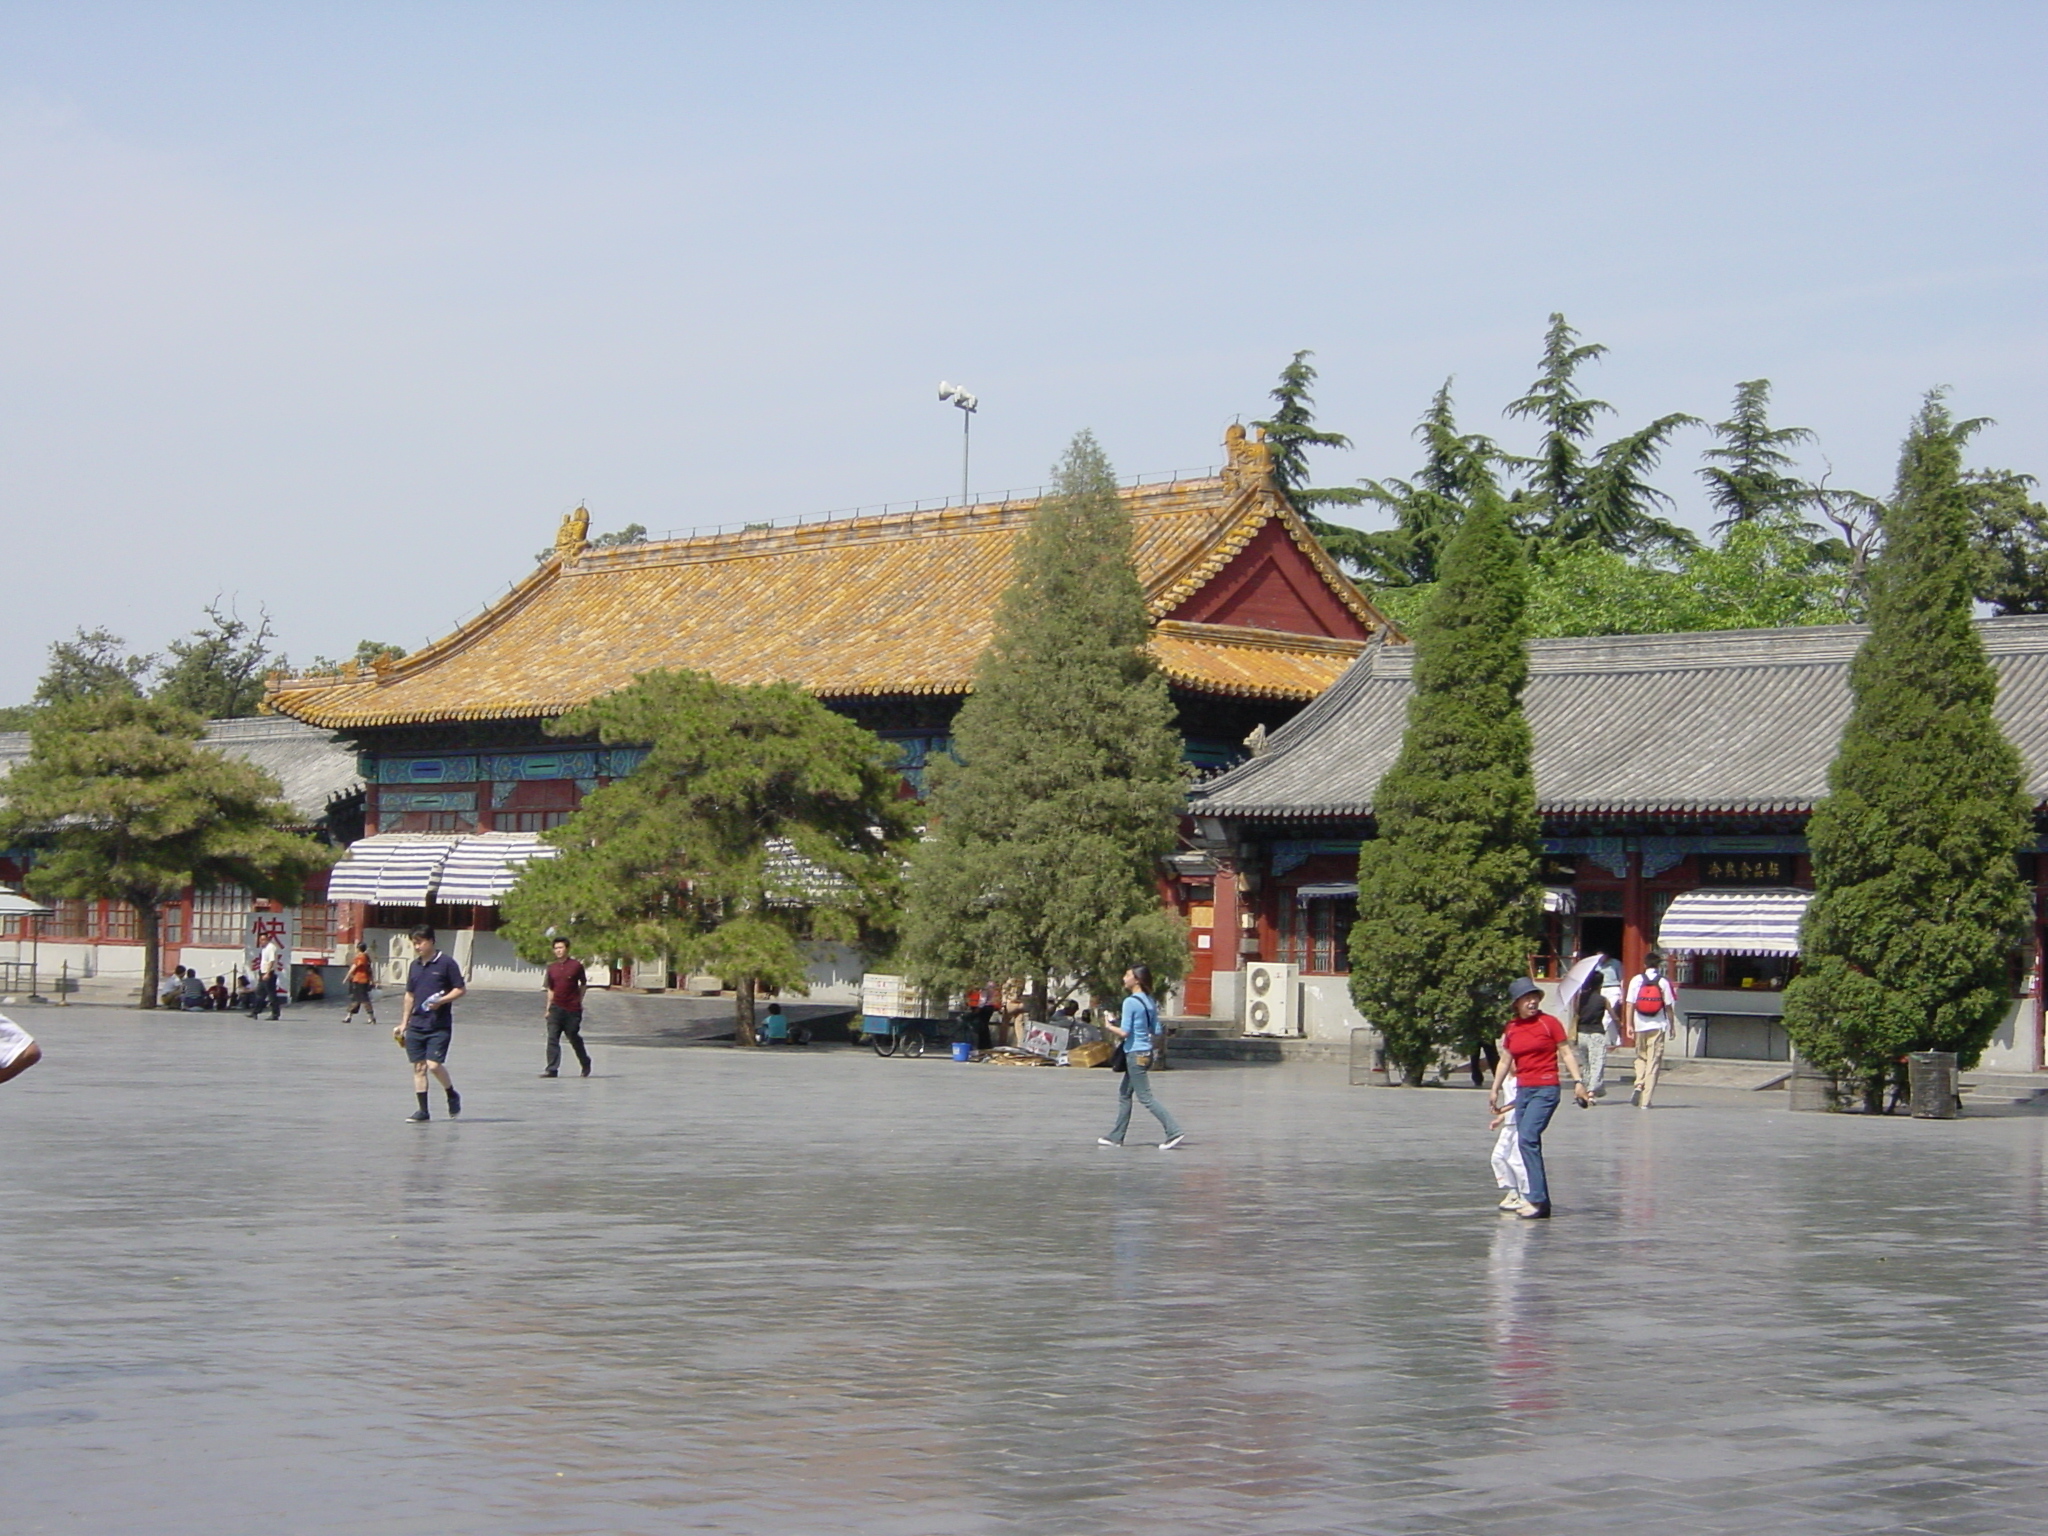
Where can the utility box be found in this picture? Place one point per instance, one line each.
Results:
(1931, 1085)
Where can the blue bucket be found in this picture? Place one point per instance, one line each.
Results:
(962, 1051)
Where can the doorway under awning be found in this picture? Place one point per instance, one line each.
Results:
(1734, 922)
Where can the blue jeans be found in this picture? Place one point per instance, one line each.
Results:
(1136, 1085)
(1533, 1109)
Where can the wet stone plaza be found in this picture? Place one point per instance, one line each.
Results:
(802, 1292)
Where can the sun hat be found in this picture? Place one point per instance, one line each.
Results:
(1520, 988)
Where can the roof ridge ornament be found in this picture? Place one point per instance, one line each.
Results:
(573, 536)
(1250, 459)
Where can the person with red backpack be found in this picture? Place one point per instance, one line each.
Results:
(1651, 1004)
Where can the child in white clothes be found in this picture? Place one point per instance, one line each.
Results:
(1508, 1171)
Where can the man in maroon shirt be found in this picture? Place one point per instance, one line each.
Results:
(565, 984)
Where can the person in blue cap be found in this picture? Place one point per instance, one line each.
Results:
(1534, 1046)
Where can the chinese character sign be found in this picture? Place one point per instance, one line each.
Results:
(265, 926)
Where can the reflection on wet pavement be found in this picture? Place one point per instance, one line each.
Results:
(792, 1292)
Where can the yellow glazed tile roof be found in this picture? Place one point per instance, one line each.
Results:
(894, 604)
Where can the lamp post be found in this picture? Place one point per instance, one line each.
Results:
(957, 393)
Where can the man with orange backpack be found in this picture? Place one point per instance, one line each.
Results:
(1650, 1005)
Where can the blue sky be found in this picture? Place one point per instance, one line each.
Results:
(338, 309)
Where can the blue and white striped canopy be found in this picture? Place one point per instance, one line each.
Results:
(409, 869)
(1734, 922)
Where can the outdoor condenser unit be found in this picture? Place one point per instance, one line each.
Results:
(1272, 1004)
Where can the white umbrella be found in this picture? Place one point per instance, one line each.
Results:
(1575, 980)
(14, 904)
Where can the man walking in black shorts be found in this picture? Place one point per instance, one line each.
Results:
(431, 988)
(565, 984)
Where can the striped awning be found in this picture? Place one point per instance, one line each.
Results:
(1560, 898)
(14, 904)
(396, 869)
(1329, 890)
(481, 869)
(409, 869)
(1734, 922)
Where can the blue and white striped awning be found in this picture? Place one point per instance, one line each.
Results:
(410, 869)
(396, 869)
(482, 869)
(1734, 922)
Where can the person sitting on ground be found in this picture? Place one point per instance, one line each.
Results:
(245, 990)
(217, 995)
(171, 988)
(776, 1025)
(192, 993)
(313, 986)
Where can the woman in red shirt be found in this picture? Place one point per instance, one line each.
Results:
(1534, 1044)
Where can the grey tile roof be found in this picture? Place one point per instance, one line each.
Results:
(1736, 721)
(311, 765)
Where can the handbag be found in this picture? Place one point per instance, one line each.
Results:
(1119, 1062)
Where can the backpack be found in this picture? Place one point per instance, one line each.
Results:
(1650, 997)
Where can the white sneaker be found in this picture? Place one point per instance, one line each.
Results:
(1172, 1142)
(1509, 1200)
(1104, 1141)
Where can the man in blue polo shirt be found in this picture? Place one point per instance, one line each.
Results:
(431, 988)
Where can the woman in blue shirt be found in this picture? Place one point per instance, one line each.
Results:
(1138, 1029)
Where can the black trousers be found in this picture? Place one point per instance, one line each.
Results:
(563, 1021)
(266, 995)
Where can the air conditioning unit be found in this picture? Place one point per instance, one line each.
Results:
(1272, 1004)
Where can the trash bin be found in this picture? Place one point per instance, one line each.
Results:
(1809, 1087)
(963, 1050)
(1931, 1085)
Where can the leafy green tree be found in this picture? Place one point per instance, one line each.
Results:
(1048, 832)
(759, 823)
(90, 665)
(121, 802)
(1578, 492)
(1750, 473)
(619, 538)
(1457, 468)
(1918, 901)
(1448, 901)
(2011, 539)
(217, 671)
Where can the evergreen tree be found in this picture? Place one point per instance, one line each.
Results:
(1918, 903)
(758, 823)
(1448, 901)
(1457, 468)
(122, 803)
(89, 665)
(217, 672)
(1750, 473)
(1048, 831)
(2012, 541)
(1290, 432)
(1579, 493)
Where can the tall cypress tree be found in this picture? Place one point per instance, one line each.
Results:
(1447, 892)
(1048, 831)
(1918, 901)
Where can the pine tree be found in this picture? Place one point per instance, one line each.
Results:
(759, 823)
(217, 673)
(1048, 830)
(123, 803)
(1427, 510)
(1918, 903)
(1447, 889)
(1290, 432)
(1750, 473)
(1600, 495)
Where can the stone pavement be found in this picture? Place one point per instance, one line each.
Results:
(820, 1292)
